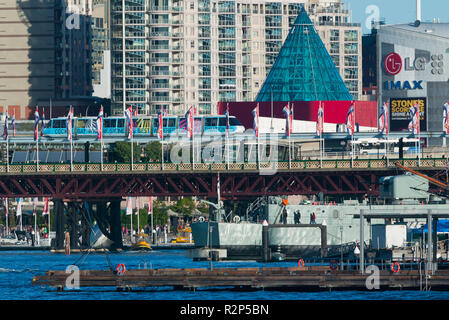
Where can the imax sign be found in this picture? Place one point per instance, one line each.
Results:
(403, 85)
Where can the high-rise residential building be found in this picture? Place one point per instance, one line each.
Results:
(101, 49)
(45, 53)
(184, 52)
(73, 43)
(130, 55)
(27, 54)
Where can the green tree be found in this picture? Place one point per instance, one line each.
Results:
(121, 152)
(152, 152)
(160, 211)
(184, 206)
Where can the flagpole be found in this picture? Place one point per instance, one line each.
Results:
(71, 139)
(7, 152)
(101, 149)
(321, 136)
(322, 133)
(7, 215)
(151, 207)
(353, 132)
(37, 152)
(137, 212)
(132, 144)
(162, 153)
(35, 225)
(289, 142)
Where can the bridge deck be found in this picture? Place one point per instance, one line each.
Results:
(296, 165)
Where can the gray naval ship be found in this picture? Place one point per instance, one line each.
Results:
(336, 227)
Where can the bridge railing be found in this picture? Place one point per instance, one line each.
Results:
(312, 165)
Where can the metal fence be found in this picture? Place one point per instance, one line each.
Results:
(312, 165)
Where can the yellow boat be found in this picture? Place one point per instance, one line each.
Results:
(184, 235)
(141, 244)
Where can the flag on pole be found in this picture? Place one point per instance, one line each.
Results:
(45, 211)
(128, 114)
(42, 121)
(287, 114)
(34, 205)
(160, 126)
(350, 120)
(135, 112)
(5, 203)
(137, 205)
(413, 124)
(227, 119)
(13, 122)
(446, 117)
(69, 124)
(255, 113)
(5, 128)
(36, 122)
(129, 208)
(100, 123)
(291, 118)
(150, 206)
(166, 112)
(383, 119)
(189, 120)
(19, 207)
(320, 121)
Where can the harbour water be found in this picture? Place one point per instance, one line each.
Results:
(17, 269)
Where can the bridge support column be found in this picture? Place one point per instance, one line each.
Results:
(73, 224)
(435, 243)
(85, 228)
(59, 223)
(265, 243)
(116, 225)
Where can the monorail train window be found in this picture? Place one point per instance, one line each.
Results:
(222, 122)
(234, 122)
(121, 123)
(172, 122)
(109, 123)
(81, 123)
(210, 122)
(58, 124)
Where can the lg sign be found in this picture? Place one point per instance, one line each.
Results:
(393, 63)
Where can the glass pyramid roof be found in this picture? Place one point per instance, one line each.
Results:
(303, 70)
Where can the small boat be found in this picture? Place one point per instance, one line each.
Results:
(184, 235)
(141, 244)
(12, 240)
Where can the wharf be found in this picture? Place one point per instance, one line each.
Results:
(312, 278)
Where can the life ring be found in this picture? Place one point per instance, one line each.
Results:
(395, 267)
(300, 263)
(121, 268)
(333, 265)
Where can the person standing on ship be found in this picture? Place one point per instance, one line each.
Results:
(313, 218)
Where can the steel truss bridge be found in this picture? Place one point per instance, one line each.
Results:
(100, 182)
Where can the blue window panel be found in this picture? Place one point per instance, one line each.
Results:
(303, 69)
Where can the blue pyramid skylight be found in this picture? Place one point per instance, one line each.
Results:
(303, 70)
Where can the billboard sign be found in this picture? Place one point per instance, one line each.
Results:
(400, 113)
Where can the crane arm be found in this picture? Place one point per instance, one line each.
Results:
(438, 183)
